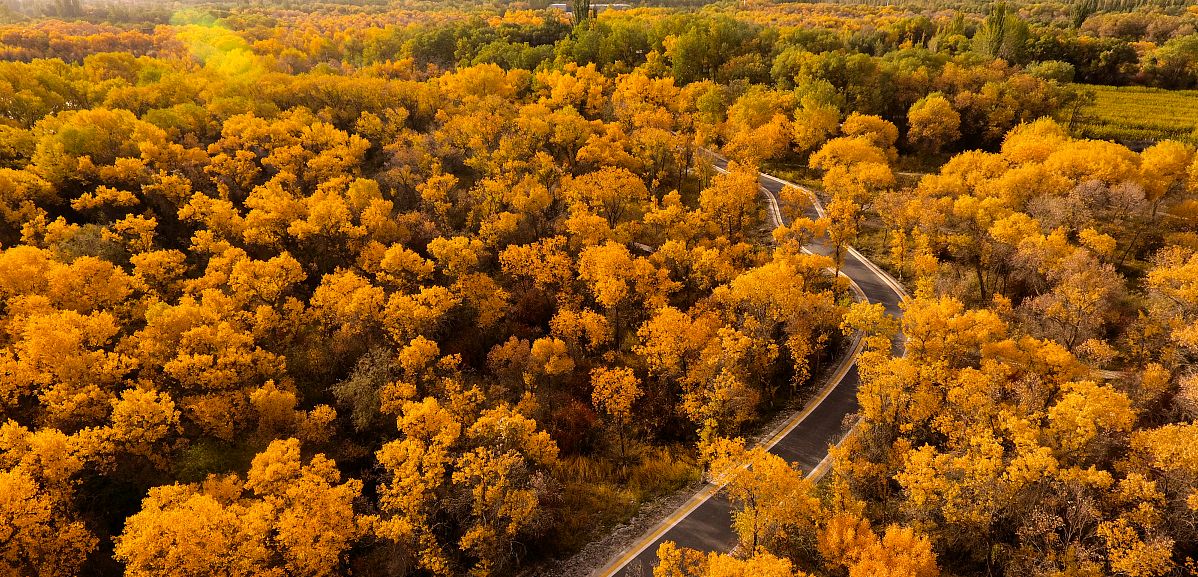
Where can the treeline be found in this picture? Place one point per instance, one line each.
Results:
(1097, 48)
(718, 55)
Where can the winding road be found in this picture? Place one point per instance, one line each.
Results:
(704, 521)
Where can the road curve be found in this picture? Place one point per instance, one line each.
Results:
(704, 521)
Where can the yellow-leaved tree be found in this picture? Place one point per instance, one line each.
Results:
(290, 516)
(614, 391)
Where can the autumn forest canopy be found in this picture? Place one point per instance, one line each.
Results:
(418, 288)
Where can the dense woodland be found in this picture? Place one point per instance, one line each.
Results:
(431, 288)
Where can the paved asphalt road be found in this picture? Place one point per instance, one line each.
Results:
(704, 522)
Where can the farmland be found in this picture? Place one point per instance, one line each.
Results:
(1137, 115)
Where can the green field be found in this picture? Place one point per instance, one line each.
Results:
(1136, 115)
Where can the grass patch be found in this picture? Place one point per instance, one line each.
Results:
(1139, 116)
(602, 494)
(794, 172)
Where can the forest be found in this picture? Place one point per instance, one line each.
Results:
(306, 288)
